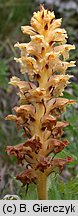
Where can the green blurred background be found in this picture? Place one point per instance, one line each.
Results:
(13, 14)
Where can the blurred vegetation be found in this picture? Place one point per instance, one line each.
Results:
(13, 14)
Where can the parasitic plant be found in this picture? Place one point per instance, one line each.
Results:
(44, 60)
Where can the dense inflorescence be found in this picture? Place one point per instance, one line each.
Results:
(44, 60)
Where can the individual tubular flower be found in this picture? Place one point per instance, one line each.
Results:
(27, 176)
(45, 61)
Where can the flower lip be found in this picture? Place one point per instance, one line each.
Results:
(27, 176)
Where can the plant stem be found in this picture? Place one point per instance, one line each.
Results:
(42, 187)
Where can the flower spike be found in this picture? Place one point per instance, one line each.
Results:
(45, 61)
